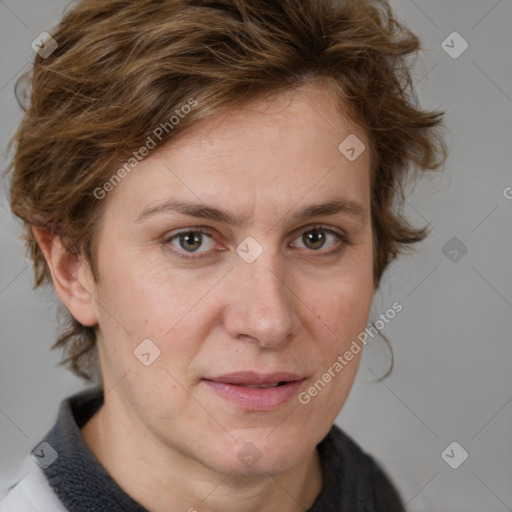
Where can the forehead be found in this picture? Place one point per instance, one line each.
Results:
(278, 150)
(304, 122)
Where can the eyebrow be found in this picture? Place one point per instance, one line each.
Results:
(201, 210)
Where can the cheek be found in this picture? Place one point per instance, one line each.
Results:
(343, 309)
(343, 303)
(140, 296)
(140, 305)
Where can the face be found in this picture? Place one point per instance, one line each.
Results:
(243, 253)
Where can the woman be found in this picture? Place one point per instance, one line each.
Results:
(211, 189)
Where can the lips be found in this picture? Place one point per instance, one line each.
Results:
(254, 391)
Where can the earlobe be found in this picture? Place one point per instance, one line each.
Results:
(71, 275)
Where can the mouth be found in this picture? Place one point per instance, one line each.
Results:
(254, 391)
(265, 386)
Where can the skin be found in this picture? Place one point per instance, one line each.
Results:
(295, 308)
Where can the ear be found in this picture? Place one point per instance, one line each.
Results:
(71, 275)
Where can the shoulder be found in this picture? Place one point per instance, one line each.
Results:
(354, 478)
(32, 493)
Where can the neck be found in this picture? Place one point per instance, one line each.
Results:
(161, 478)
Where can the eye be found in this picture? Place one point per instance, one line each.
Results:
(191, 242)
(319, 237)
(196, 243)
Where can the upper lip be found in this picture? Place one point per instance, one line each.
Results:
(255, 379)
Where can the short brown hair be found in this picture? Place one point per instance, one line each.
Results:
(121, 69)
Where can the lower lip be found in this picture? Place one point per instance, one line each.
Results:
(256, 399)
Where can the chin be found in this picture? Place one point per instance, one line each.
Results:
(253, 455)
(264, 467)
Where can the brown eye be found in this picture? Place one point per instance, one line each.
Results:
(314, 239)
(322, 240)
(191, 242)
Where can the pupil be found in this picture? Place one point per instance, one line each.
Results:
(190, 241)
(314, 239)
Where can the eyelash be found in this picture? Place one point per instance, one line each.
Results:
(342, 239)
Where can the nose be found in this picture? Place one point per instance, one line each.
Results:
(261, 305)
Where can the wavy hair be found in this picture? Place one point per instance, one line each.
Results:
(123, 68)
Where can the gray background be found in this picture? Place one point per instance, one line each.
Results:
(453, 354)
